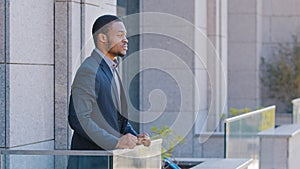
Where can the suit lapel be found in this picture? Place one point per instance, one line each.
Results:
(109, 77)
(112, 83)
(121, 105)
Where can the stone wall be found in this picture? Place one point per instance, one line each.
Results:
(244, 26)
(284, 156)
(29, 39)
(40, 50)
(255, 29)
(2, 73)
(176, 89)
(281, 21)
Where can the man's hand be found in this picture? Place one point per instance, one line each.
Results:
(127, 141)
(144, 139)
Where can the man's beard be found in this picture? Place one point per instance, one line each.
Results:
(110, 50)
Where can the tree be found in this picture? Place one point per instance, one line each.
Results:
(280, 74)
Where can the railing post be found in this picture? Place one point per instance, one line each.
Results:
(296, 111)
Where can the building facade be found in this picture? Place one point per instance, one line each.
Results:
(183, 58)
(255, 30)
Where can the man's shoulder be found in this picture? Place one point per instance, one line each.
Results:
(91, 63)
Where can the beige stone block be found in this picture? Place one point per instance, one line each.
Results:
(175, 52)
(31, 104)
(75, 52)
(266, 152)
(242, 57)
(212, 25)
(285, 8)
(259, 8)
(201, 88)
(259, 29)
(243, 84)
(62, 83)
(63, 65)
(169, 26)
(2, 106)
(224, 19)
(174, 7)
(62, 62)
(242, 6)
(198, 148)
(203, 49)
(201, 121)
(2, 31)
(31, 32)
(267, 9)
(266, 29)
(242, 28)
(66, 55)
(283, 28)
(213, 147)
(281, 152)
(201, 14)
(32, 161)
(294, 146)
(224, 53)
(170, 90)
(280, 147)
(241, 103)
(165, 58)
(294, 151)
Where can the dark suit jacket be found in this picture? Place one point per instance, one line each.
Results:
(96, 114)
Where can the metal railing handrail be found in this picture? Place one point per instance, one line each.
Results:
(249, 114)
(295, 113)
(56, 152)
(73, 152)
(296, 101)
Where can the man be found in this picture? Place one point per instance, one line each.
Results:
(98, 109)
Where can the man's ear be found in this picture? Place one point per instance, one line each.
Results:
(102, 37)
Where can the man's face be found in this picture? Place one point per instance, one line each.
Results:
(117, 41)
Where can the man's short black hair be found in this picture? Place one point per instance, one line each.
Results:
(102, 23)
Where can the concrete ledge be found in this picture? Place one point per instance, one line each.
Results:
(218, 163)
(208, 145)
(279, 147)
(281, 131)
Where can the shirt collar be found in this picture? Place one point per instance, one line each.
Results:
(112, 65)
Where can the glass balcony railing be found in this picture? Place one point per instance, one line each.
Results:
(241, 139)
(296, 111)
(139, 157)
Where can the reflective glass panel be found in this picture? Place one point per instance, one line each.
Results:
(241, 139)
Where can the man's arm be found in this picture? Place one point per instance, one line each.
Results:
(74, 122)
(142, 138)
(129, 129)
(85, 105)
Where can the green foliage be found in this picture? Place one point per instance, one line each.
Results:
(281, 73)
(235, 112)
(262, 122)
(169, 140)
